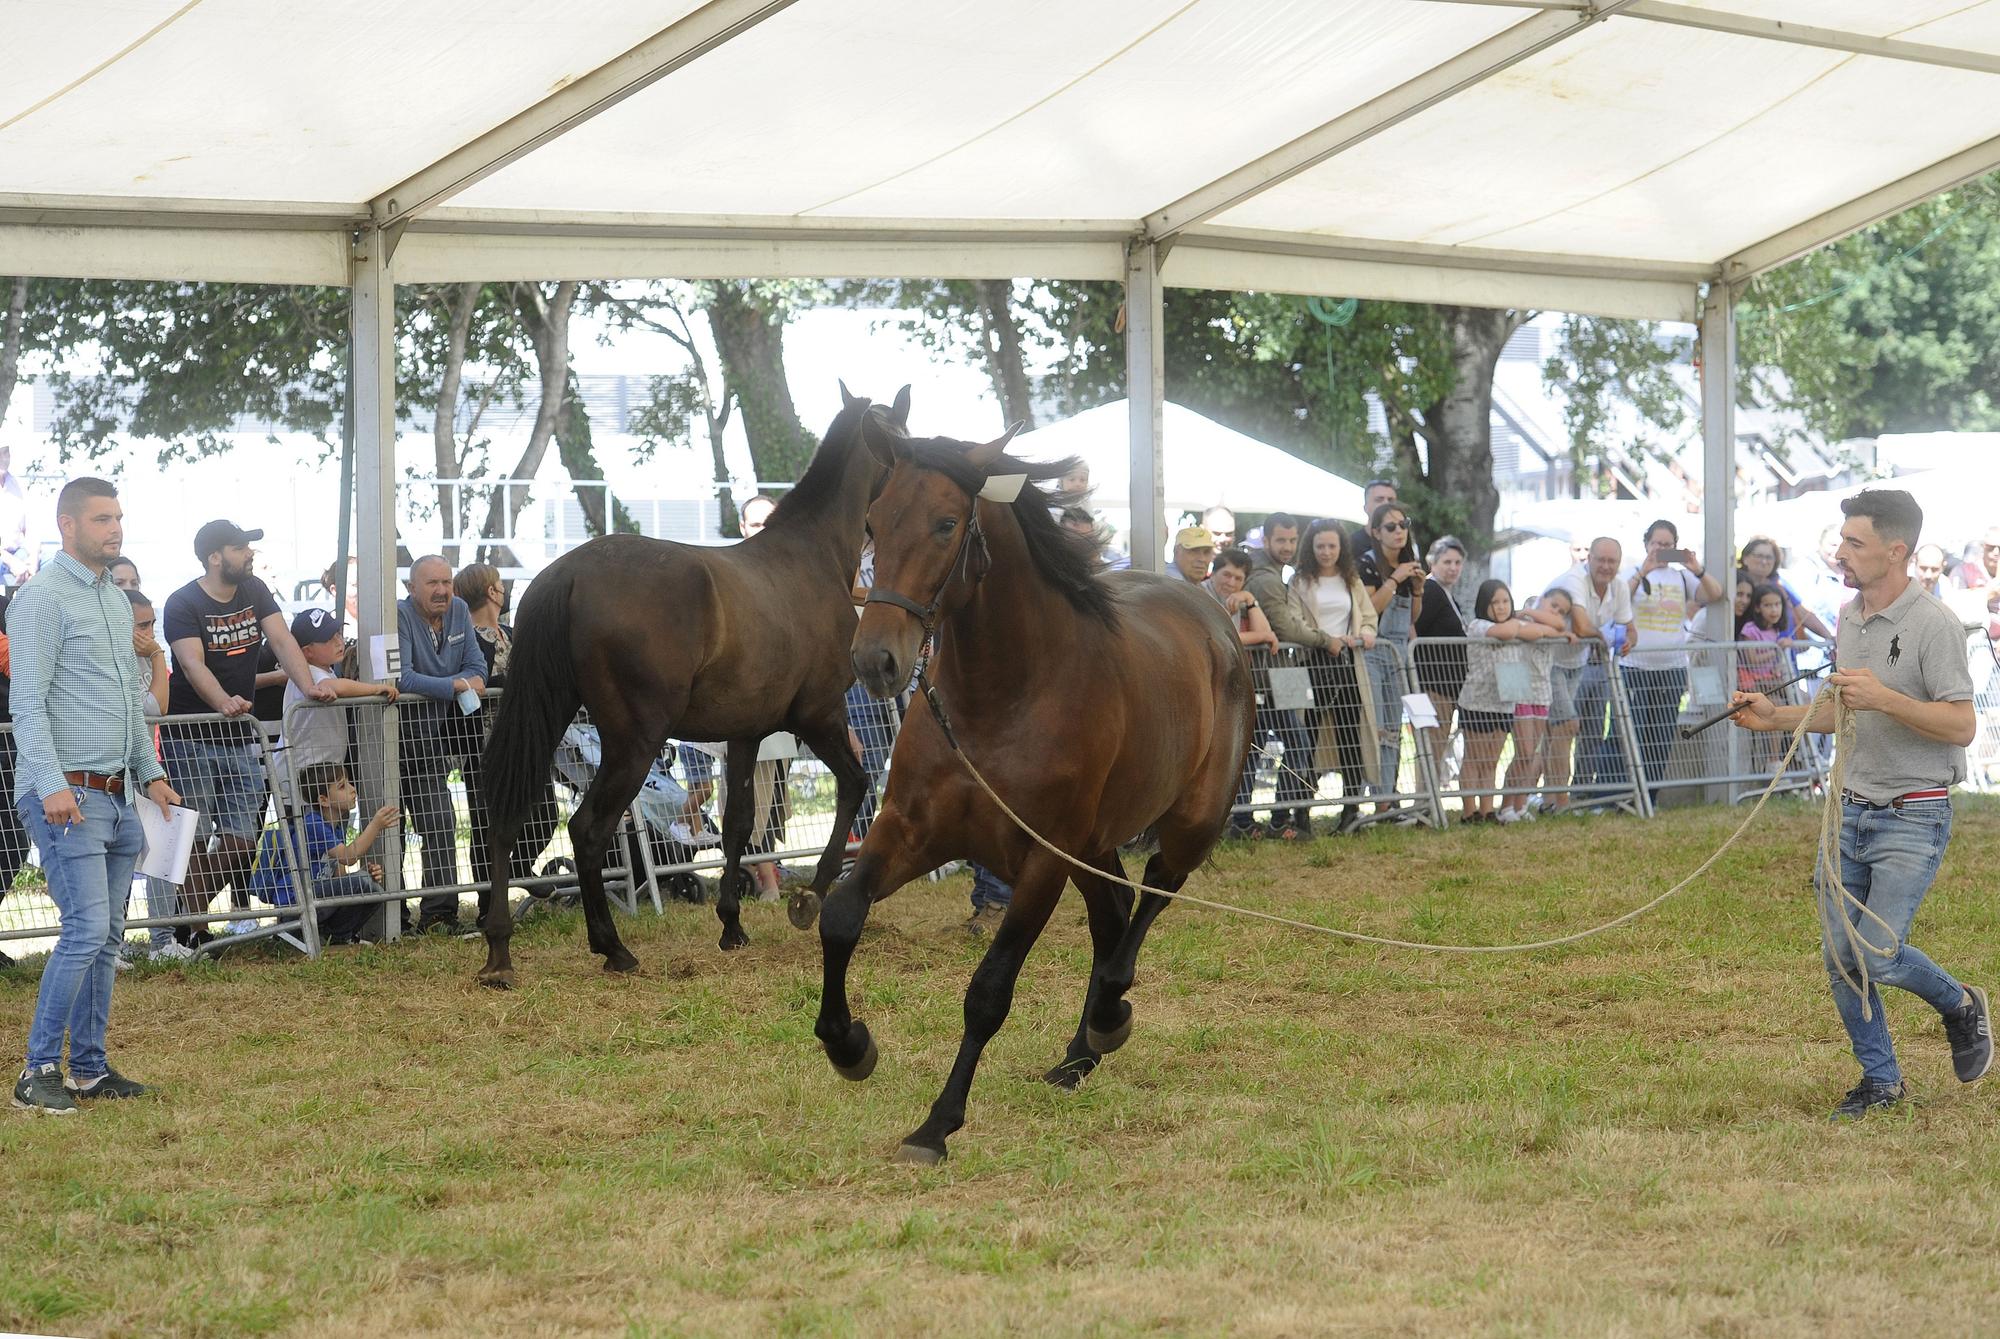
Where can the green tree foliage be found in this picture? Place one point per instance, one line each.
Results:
(1893, 329)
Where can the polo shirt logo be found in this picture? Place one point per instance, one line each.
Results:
(1895, 648)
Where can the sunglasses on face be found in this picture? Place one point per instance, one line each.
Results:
(1395, 525)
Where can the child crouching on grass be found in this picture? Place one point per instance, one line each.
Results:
(329, 796)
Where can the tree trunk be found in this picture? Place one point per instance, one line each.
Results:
(1459, 427)
(1001, 341)
(579, 457)
(546, 319)
(10, 342)
(460, 302)
(750, 341)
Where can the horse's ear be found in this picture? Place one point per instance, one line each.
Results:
(881, 443)
(899, 413)
(851, 400)
(986, 453)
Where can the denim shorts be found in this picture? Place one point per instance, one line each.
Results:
(223, 781)
(1562, 693)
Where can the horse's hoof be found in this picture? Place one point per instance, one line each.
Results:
(916, 1155)
(803, 908)
(862, 1067)
(1104, 1043)
(621, 962)
(734, 939)
(1070, 1074)
(500, 980)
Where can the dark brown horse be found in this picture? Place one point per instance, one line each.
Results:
(1098, 705)
(658, 639)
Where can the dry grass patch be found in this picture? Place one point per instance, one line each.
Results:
(1302, 1137)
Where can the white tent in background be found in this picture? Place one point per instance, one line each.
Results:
(1204, 463)
(1958, 505)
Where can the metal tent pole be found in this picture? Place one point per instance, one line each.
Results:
(1145, 376)
(1718, 484)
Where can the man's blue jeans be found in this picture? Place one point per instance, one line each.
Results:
(1888, 858)
(89, 870)
(1597, 760)
(988, 890)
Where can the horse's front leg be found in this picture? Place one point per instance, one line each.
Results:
(893, 855)
(988, 999)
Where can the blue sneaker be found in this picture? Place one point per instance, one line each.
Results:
(1970, 1031)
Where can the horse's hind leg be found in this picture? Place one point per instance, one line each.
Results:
(1108, 904)
(1109, 1020)
(738, 817)
(591, 828)
(828, 741)
(988, 998)
(496, 917)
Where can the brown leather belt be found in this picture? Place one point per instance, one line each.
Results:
(110, 785)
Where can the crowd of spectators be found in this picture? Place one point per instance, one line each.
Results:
(1346, 603)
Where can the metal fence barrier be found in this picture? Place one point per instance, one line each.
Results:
(1330, 734)
(1687, 683)
(1545, 723)
(1982, 656)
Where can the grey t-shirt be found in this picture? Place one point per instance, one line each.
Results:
(1917, 647)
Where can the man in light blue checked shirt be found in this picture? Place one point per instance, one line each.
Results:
(83, 747)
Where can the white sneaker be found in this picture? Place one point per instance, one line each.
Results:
(1510, 816)
(172, 951)
(680, 832)
(242, 927)
(121, 963)
(1527, 815)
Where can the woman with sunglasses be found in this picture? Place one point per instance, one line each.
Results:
(1394, 579)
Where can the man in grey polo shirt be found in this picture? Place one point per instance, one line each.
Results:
(1902, 669)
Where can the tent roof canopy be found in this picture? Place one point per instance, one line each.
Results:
(1597, 155)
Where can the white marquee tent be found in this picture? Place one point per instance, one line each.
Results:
(1625, 157)
(1202, 464)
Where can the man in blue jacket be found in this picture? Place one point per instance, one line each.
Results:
(441, 663)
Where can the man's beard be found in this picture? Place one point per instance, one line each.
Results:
(234, 576)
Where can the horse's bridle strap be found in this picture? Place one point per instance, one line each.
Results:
(926, 613)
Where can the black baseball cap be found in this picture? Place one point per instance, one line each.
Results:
(312, 626)
(219, 535)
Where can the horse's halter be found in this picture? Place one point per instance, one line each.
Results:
(998, 488)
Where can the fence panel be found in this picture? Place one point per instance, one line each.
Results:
(794, 794)
(1983, 758)
(1675, 688)
(422, 758)
(1543, 721)
(237, 876)
(1331, 734)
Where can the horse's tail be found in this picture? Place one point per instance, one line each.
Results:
(540, 701)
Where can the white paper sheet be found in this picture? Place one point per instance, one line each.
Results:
(1417, 710)
(385, 657)
(168, 841)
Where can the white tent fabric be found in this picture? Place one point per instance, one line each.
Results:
(1596, 155)
(1204, 463)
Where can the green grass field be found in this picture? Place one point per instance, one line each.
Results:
(1302, 1137)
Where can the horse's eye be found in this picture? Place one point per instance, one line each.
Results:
(947, 525)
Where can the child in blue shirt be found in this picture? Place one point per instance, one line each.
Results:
(329, 792)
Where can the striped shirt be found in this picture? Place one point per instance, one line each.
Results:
(76, 682)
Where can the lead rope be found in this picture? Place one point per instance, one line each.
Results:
(1832, 894)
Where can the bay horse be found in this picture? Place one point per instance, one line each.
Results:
(660, 640)
(1098, 705)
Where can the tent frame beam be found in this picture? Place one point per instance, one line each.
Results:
(1435, 85)
(1145, 401)
(1859, 213)
(644, 65)
(1772, 30)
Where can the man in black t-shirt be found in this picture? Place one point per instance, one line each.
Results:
(216, 625)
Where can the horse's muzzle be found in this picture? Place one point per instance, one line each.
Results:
(879, 671)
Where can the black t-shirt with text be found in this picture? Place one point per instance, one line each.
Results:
(230, 635)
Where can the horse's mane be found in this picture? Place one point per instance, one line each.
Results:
(1068, 562)
(821, 481)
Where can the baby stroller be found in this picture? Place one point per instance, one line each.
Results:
(660, 807)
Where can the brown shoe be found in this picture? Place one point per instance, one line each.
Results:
(985, 920)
